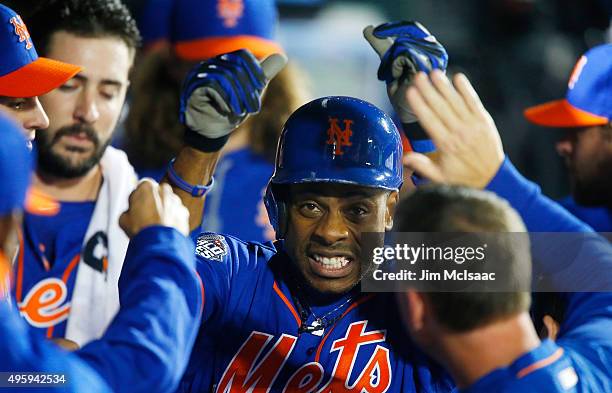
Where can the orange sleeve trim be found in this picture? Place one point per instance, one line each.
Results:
(540, 364)
(351, 307)
(287, 303)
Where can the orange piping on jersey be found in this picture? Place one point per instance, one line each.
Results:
(288, 304)
(540, 364)
(70, 267)
(50, 331)
(352, 306)
(65, 278)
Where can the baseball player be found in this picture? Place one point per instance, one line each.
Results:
(586, 118)
(74, 259)
(160, 294)
(24, 76)
(289, 315)
(470, 153)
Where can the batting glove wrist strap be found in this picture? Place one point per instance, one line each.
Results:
(194, 190)
(203, 143)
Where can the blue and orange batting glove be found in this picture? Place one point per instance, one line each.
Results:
(404, 48)
(220, 93)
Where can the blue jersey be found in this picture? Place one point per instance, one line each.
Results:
(23, 350)
(581, 359)
(598, 217)
(146, 346)
(235, 204)
(544, 369)
(47, 266)
(250, 338)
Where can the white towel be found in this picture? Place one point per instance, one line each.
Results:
(95, 299)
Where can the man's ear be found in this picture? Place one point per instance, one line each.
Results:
(392, 200)
(412, 310)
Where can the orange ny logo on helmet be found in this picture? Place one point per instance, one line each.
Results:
(45, 304)
(339, 137)
(21, 31)
(230, 11)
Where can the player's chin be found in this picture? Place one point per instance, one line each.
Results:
(332, 287)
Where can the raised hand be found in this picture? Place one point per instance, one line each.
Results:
(218, 94)
(469, 148)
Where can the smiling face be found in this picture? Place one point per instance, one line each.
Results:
(83, 112)
(324, 230)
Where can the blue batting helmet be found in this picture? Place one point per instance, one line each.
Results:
(335, 140)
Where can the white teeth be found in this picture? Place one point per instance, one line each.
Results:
(331, 263)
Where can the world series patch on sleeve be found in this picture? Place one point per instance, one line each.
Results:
(211, 246)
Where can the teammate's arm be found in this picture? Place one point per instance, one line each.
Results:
(24, 351)
(217, 96)
(147, 345)
(471, 154)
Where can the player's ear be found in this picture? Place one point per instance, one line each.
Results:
(276, 201)
(411, 306)
(392, 199)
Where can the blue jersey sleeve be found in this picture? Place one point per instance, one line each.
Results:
(146, 348)
(586, 259)
(25, 351)
(578, 259)
(540, 213)
(226, 265)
